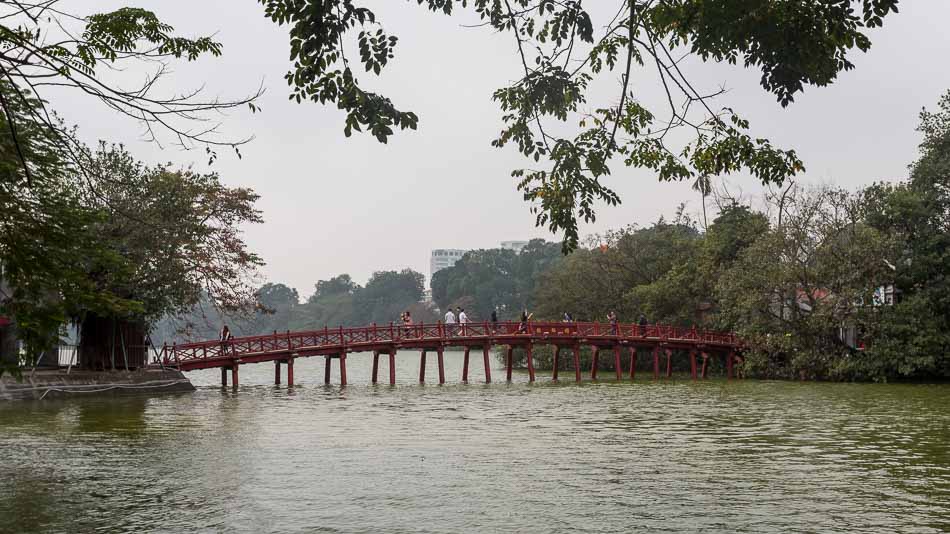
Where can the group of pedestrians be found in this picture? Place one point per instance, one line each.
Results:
(454, 320)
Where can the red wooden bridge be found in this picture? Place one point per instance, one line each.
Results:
(284, 348)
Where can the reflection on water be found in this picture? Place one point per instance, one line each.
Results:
(598, 457)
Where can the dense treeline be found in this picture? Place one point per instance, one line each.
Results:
(822, 283)
(335, 302)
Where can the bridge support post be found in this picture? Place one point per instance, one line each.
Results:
(617, 367)
(577, 363)
(557, 357)
(669, 363)
(422, 367)
(692, 364)
(441, 365)
(234, 375)
(465, 365)
(224, 377)
(290, 372)
(276, 372)
(656, 362)
(375, 366)
(633, 362)
(392, 367)
(530, 363)
(729, 365)
(342, 368)
(326, 369)
(594, 362)
(705, 361)
(508, 361)
(485, 350)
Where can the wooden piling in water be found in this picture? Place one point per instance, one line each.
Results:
(577, 363)
(465, 365)
(594, 362)
(485, 350)
(422, 367)
(633, 362)
(656, 362)
(530, 363)
(342, 368)
(375, 366)
(617, 367)
(392, 367)
(441, 366)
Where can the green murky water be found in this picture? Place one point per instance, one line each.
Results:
(712, 456)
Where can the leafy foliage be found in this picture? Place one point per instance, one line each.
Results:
(494, 279)
(562, 50)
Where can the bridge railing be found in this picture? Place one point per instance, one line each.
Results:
(340, 338)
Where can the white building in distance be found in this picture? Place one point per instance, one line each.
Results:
(442, 258)
(514, 245)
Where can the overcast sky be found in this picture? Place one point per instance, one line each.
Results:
(335, 205)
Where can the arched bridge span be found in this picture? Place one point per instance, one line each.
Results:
(284, 348)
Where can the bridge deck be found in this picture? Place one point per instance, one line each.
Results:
(337, 343)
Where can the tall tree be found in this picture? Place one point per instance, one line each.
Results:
(563, 48)
(912, 338)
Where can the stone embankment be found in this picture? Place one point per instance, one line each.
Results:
(46, 384)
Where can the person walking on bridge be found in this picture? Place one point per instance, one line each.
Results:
(449, 322)
(523, 325)
(463, 319)
(494, 321)
(643, 325)
(612, 319)
(407, 323)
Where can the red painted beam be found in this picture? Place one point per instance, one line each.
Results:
(485, 350)
(290, 373)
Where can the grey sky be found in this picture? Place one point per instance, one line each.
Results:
(335, 205)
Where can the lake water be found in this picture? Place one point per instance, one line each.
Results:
(671, 455)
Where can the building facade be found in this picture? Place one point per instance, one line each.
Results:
(442, 258)
(514, 245)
